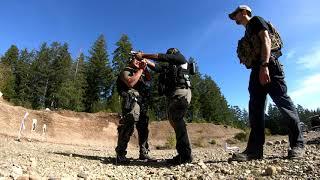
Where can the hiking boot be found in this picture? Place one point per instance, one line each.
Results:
(246, 156)
(296, 153)
(122, 160)
(145, 157)
(177, 160)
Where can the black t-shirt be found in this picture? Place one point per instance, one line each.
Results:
(255, 25)
(173, 59)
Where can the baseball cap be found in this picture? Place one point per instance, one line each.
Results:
(239, 8)
(173, 51)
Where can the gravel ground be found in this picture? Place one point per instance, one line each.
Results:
(41, 160)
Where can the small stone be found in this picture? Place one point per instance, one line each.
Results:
(310, 168)
(202, 165)
(277, 142)
(279, 169)
(82, 175)
(269, 143)
(16, 171)
(284, 141)
(70, 155)
(23, 177)
(271, 170)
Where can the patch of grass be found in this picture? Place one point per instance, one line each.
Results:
(267, 132)
(200, 142)
(213, 142)
(171, 141)
(231, 141)
(242, 136)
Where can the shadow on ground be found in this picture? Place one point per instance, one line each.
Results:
(157, 163)
(314, 141)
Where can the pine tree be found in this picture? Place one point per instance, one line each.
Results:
(23, 75)
(59, 72)
(99, 77)
(11, 57)
(40, 76)
(214, 107)
(71, 94)
(9, 64)
(119, 61)
(121, 54)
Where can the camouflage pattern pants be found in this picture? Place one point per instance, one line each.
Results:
(277, 90)
(136, 114)
(178, 105)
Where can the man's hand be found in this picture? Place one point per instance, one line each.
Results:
(264, 76)
(142, 65)
(139, 55)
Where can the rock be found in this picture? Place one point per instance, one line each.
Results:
(16, 171)
(310, 168)
(23, 177)
(277, 142)
(284, 141)
(82, 175)
(202, 165)
(270, 171)
(269, 143)
(279, 169)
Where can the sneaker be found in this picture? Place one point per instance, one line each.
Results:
(177, 160)
(296, 153)
(245, 156)
(145, 157)
(122, 160)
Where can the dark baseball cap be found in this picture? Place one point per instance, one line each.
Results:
(239, 8)
(173, 51)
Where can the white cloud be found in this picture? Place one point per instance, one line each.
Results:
(308, 92)
(310, 60)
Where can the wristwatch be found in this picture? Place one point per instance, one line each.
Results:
(264, 64)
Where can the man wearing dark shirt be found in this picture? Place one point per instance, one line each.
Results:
(179, 97)
(133, 82)
(267, 77)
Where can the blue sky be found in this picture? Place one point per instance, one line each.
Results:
(200, 29)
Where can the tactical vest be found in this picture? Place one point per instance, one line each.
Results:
(249, 47)
(172, 77)
(142, 86)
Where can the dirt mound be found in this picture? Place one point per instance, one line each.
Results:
(97, 129)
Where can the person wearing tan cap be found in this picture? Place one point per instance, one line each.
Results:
(259, 51)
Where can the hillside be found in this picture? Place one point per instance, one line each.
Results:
(96, 129)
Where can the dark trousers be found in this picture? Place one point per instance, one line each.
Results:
(277, 90)
(178, 105)
(136, 115)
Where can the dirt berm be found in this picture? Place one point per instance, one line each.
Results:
(97, 129)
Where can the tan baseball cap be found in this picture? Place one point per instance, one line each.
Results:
(240, 7)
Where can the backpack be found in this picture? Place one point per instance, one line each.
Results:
(172, 76)
(249, 48)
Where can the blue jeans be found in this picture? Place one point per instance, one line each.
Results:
(277, 90)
